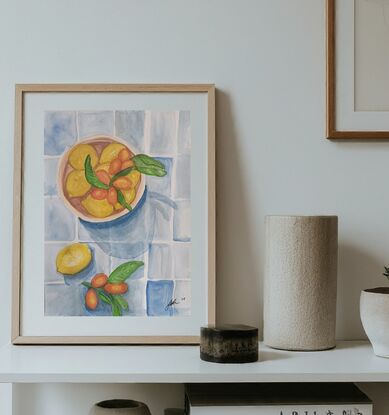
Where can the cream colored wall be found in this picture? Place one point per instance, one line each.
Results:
(267, 59)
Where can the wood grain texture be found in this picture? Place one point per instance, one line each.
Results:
(20, 91)
(17, 214)
(44, 88)
(330, 67)
(211, 208)
(331, 131)
(105, 340)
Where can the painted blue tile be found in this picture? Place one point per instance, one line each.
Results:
(102, 260)
(181, 253)
(160, 262)
(95, 122)
(183, 294)
(83, 232)
(125, 251)
(184, 134)
(183, 298)
(63, 300)
(163, 132)
(59, 221)
(182, 179)
(163, 229)
(130, 127)
(138, 274)
(182, 221)
(60, 131)
(161, 184)
(136, 298)
(50, 186)
(158, 296)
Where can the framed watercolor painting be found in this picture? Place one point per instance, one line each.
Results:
(114, 214)
(357, 69)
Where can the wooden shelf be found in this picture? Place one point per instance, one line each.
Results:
(350, 361)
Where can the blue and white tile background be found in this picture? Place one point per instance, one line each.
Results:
(166, 274)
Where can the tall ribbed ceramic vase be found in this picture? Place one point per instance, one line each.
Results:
(300, 282)
(120, 407)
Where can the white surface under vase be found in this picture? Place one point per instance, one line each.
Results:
(300, 282)
(374, 309)
(120, 407)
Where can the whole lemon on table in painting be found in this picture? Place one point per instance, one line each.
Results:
(73, 258)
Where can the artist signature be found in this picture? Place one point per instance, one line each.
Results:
(174, 301)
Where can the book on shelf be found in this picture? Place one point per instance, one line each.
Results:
(276, 399)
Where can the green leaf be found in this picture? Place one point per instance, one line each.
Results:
(149, 165)
(122, 200)
(124, 271)
(121, 301)
(90, 175)
(120, 174)
(86, 284)
(104, 297)
(116, 309)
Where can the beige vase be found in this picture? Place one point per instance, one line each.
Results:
(120, 407)
(300, 282)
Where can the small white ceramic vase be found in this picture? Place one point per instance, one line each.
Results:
(120, 407)
(374, 309)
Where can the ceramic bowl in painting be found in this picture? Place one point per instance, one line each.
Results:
(92, 179)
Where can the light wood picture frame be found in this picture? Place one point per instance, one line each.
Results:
(345, 118)
(186, 112)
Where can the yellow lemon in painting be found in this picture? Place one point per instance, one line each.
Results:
(76, 184)
(134, 177)
(73, 258)
(97, 208)
(78, 155)
(110, 152)
(104, 167)
(118, 206)
(129, 195)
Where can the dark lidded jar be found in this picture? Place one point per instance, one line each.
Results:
(229, 344)
(120, 407)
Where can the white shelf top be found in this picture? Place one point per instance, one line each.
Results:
(349, 362)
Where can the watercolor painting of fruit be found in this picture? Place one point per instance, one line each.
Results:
(117, 213)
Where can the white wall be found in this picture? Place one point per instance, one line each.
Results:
(267, 59)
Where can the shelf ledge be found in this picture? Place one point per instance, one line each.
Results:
(351, 361)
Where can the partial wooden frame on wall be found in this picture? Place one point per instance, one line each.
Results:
(17, 337)
(332, 132)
